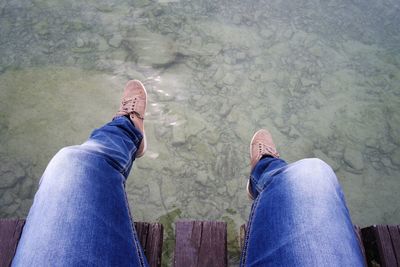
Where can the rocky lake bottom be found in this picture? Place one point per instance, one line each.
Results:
(324, 78)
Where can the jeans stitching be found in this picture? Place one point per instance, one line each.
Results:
(271, 177)
(134, 235)
(253, 182)
(125, 170)
(246, 242)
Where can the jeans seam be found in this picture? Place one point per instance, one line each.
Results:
(246, 242)
(270, 174)
(253, 182)
(125, 170)
(134, 235)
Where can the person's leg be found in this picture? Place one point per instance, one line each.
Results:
(299, 217)
(80, 214)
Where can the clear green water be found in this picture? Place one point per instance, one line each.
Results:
(323, 77)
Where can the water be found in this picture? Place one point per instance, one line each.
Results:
(324, 78)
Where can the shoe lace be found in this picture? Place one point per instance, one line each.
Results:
(263, 149)
(129, 106)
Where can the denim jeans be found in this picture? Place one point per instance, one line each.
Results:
(80, 214)
(299, 217)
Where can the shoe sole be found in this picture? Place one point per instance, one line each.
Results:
(144, 134)
(249, 195)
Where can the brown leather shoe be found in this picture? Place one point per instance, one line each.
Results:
(261, 145)
(133, 103)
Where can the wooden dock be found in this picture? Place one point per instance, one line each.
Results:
(204, 243)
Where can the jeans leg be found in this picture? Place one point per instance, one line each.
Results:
(80, 214)
(299, 217)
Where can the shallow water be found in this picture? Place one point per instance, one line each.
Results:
(324, 78)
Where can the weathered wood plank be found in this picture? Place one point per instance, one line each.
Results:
(187, 242)
(378, 246)
(153, 248)
(394, 232)
(360, 241)
(10, 232)
(150, 236)
(213, 249)
(385, 246)
(142, 230)
(200, 243)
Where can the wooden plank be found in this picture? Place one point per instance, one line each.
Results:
(394, 232)
(213, 249)
(378, 246)
(385, 247)
(360, 241)
(154, 244)
(187, 242)
(142, 230)
(150, 236)
(10, 233)
(200, 243)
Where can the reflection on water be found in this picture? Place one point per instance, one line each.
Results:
(322, 77)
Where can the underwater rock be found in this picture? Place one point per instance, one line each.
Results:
(212, 137)
(321, 155)
(219, 74)
(237, 19)
(80, 42)
(293, 119)
(232, 186)
(154, 192)
(266, 33)
(169, 186)
(278, 121)
(396, 157)
(202, 177)
(178, 136)
(115, 41)
(240, 56)
(254, 75)
(25, 206)
(372, 143)
(229, 78)
(11, 209)
(7, 198)
(10, 173)
(386, 162)
(153, 49)
(293, 132)
(225, 109)
(307, 82)
(194, 126)
(386, 147)
(212, 48)
(354, 159)
(221, 190)
(100, 43)
(27, 187)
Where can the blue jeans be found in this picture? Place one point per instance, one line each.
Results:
(299, 217)
(80, 214)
